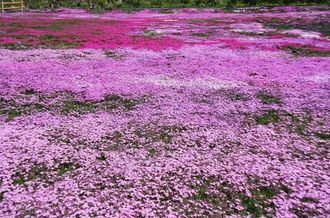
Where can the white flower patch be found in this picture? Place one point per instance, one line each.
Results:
(303, 34)
(324, 78)
(208, 83)
(249, 28)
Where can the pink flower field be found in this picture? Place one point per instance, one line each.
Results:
(165, 113)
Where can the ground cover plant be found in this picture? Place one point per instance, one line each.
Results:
(176, 113)
(99, 5)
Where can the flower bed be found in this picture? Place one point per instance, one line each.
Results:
(189, 113)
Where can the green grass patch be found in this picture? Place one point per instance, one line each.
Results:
(114, 55)
(286, 189)
(114, 140)
(36, 172)
(116, 101)
(267, 191)
(38, 107)
(269, 116)
(323, 136)
(19, 179)
(250, 205)
(15, 46)
(299, 125)
(251, 34)
(267, 98)
(166, 11)
(320, 25)
(128, 104)
(58, 42)
(77, 106)
(152, 152)
(259, 204)
(208, 22)
(49, 37)
(201, 194)
(202, 35)
(305, 51)
(236, 96)
(2, 196)
(20, 110)
(109, 103)
(12, 114)
(165, 136)
(64, 168)
(161, 133)
(63, 103)
(30, 92)
(57, 25)
(295, 122)
(213, 198)
(102, 157)
(309, 200)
